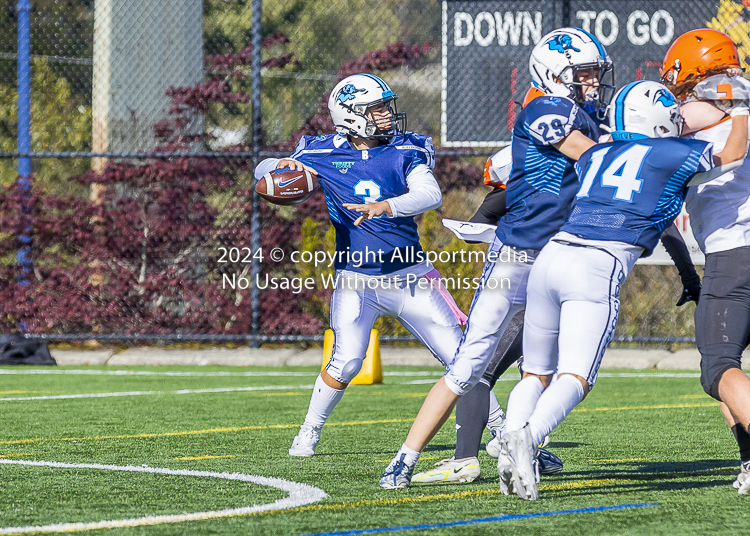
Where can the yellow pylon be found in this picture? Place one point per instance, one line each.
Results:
(372, 369)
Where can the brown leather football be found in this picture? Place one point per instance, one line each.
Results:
(286, 186)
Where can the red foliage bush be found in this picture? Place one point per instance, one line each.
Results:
(143, 258)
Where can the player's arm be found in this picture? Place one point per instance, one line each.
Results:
(736, 146)
(729, 94)
(269, 164)
(574, 145)
(423, 195)
(492, 208)
(558, 124)
(675, 245)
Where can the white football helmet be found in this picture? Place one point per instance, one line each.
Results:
(558, 58)
(349, 101)
(644, 109)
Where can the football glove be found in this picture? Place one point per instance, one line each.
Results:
(689, 294)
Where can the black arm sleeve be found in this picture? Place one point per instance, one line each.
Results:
(678, 251)
(492, 208)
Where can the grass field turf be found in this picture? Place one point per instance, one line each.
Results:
(647, 438)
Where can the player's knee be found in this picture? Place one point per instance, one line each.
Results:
(461, 377)
(712, 370)
(350, 369)
(584, 382)
(544, 378)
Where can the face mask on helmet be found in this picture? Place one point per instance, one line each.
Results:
(644, 109)
(363, 106)
(571, 62)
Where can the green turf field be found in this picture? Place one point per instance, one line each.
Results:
(178, 450)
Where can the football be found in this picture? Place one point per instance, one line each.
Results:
(287, 186)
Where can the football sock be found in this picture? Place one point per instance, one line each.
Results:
(324, 399)
(521, 402)
(411, 455)
(743, 441)
(554, 405)
(496, 414)
(472, 411)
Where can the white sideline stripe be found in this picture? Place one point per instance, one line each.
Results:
(312, 374)
(180, 392)
(299, 495)
(196, 374)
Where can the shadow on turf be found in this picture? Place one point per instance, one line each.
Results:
(695, 467)
(656, 476)
(564, 445)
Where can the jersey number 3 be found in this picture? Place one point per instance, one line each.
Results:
(621, 174)
(368, 190)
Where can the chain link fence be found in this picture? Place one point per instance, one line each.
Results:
(129, 130)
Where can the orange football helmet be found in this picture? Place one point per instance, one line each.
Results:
(696, 55)
(531, 94)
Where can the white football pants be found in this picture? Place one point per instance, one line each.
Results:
(502, 293)
(572, 308)
(355, 305)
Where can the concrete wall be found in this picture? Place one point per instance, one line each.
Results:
(141, 48)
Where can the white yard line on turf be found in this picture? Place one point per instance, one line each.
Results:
(140, 393)
(196, 374)
(299, 495)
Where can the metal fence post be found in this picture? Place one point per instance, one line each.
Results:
(257, 135)
(23, 255)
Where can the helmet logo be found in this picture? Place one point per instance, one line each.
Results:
(562, 43)
(665, 98)
(347, 93)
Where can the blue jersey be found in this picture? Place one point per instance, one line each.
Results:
(630, 191)
(382, 245)
(542, 182)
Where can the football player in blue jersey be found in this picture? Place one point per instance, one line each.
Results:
(572, 68)
(376, 177)
(478, 409)
(630, 190)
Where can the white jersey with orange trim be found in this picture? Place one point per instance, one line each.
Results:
(498, 167)
(720, 209)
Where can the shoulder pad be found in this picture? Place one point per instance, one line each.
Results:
(498, 167)
(550, 119)
(420, 144)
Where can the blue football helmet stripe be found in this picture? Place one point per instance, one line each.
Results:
(619, 122)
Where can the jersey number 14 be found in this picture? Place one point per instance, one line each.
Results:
(621, 174)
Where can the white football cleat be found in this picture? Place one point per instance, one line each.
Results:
(505, 472)
(305, 442)
(450, 470)
(493, 445)
(742, 484)
(521, 457)
(397, 475)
